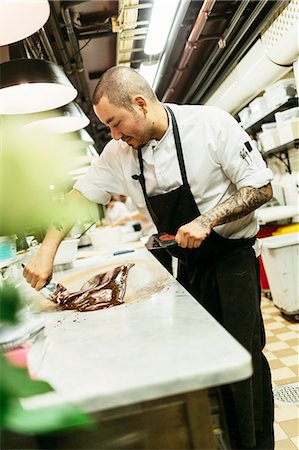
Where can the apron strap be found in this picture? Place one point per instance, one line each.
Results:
(178, 145)
(141, 180)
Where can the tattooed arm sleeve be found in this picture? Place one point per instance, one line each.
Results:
(246, 200)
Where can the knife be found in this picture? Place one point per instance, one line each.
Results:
(48, 290)
(161, 240)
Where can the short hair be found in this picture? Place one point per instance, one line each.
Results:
(120, 84)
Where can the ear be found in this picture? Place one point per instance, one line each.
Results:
(140, 102)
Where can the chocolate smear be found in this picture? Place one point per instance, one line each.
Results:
(101, 291)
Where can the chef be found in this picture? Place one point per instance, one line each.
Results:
(197, 174)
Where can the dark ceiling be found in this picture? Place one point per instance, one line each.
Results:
(83, 37)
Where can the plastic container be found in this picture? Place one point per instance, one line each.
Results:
(269, 139)
(269, 126)
(280, 259)
(288, 114)
(293, 228)
(280, 92)
(259, 108)
(245, 115)
(8, 248)
(288, 131)
(105, 237)
(67, 252)
(265, 231)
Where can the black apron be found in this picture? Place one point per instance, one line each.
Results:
(222, 274)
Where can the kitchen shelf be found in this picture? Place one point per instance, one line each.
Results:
(281, 152)
(255, 127)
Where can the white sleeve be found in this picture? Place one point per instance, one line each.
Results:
(238, 156)
(104, 178)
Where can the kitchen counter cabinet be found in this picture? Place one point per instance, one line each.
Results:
(144, 370)
(176, 422)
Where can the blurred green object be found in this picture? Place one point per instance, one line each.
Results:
(34, 180)
(15, 385)
(11, 302)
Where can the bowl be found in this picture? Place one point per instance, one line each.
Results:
(105, 237)
(67, 252)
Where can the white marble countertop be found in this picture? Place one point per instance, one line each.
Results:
(163, 344)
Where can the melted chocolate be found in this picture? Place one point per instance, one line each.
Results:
(101, 291)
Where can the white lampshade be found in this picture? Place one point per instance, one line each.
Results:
(66, 119)
(33, 85)
(21, 18)
(83, 136)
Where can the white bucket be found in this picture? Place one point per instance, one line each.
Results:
(280, 259)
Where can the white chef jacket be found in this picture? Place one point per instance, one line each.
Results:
(213, 145)
(117, 211)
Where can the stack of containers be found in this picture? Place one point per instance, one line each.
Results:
(259, 108)
(288, 125)
(245, 117)
(269, 138)
(280, 92)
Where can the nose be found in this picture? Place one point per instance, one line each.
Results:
(116, 134)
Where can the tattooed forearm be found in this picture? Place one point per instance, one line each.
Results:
(245, 201)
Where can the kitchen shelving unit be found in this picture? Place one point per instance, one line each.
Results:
(281, 152)
(270, 117)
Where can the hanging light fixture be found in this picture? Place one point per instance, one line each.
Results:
(85, 137)
(21, 18)
(67, 119)
(82, 136)
(161, 22)
(162, 17)
(33, 85)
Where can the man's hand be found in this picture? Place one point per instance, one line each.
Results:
(193, 233)
(39, 270)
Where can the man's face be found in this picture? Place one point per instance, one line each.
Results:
(129, 126)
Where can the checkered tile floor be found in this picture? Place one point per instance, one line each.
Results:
(282, 353)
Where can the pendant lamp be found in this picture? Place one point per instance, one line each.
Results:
(33, 85)
(85, 137)
(67, 119)
(21, 18)
(81, 136)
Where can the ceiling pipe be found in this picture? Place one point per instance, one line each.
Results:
(190, 45)
(164, 61)
(53, 26)
(96, 35)
(32, 46)
(216, 51)
(203, 93)
(77, 56)
(47, 45)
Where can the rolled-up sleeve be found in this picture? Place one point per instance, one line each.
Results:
(239, 157)
(103, 177)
